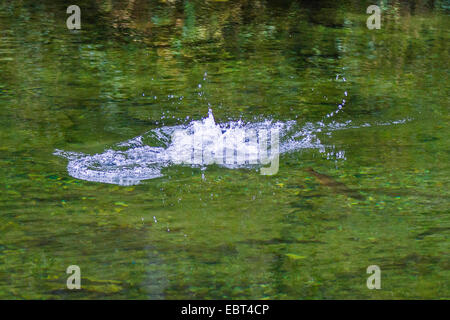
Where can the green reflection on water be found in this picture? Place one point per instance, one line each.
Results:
(223, 233)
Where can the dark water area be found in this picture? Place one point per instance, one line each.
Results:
(373, 105)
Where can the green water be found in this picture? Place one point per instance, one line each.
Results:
(221, 233)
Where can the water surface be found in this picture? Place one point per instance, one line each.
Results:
(367, 108)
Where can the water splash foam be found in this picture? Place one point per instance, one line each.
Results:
(199, 143)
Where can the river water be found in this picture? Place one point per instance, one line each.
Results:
(98, 162)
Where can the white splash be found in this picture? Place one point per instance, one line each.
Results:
(200, 143)
(232, 144)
